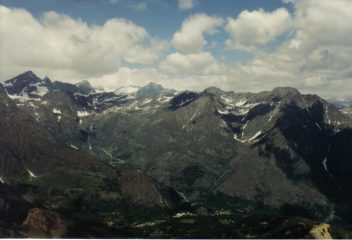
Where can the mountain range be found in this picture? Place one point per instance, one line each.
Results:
(149, 161)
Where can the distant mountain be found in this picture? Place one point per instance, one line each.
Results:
(83, 87)
(340, 103)
(347, 110)
(210, 153)
(152, 90)
(202, 139)
(28, 85)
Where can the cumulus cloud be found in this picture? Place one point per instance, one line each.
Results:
(129, 76)
(316, 58)
(186, 4)
(190, 39)
(71, 48)
(254, 29)
(202, 63)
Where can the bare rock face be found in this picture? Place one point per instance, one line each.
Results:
(144, 191)
(44, 223)
(321, 231)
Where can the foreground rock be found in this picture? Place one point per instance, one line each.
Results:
(44, 223)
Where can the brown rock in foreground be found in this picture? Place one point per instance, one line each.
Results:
(44, 223)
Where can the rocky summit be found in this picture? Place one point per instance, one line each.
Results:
(154, 162)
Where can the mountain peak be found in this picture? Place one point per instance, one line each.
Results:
(84, 83)
(85, 87)
(282, 91)
(153, 85)
(46, 78)
(213, 90)
(26, 76)
(29, 73)
(23, 84)
(151, 90)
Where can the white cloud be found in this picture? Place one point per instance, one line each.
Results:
(324, 22)
(202, 63)
(128, 76)
(186, 4)
(314, 57)
(257, 28)
(317, 56)
(71, 48)
(190, 39)
(140, 7)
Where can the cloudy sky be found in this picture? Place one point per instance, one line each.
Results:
(183, 44)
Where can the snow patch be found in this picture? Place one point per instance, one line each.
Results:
(32, 105)
(146, 101)
(22, 97)
(2, 180)
(41, 91)
(240, 103)
(31, 174)
(164, 99)
(73, 146)
(327, 115)
(271, 117)
(338, 122)
(147, 224)
(82, 113)
(56, 111)
(191, 119)
(184, 102)
(225, 112)
(227, 100)
(244, 127)
(324, 164)
(248, 140)
(182, 214)
(89, 145)
(10, 84)
(183, 196)
(193, 116)
(36, 114)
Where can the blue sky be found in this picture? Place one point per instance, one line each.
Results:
(161, 17)
(248, 45)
